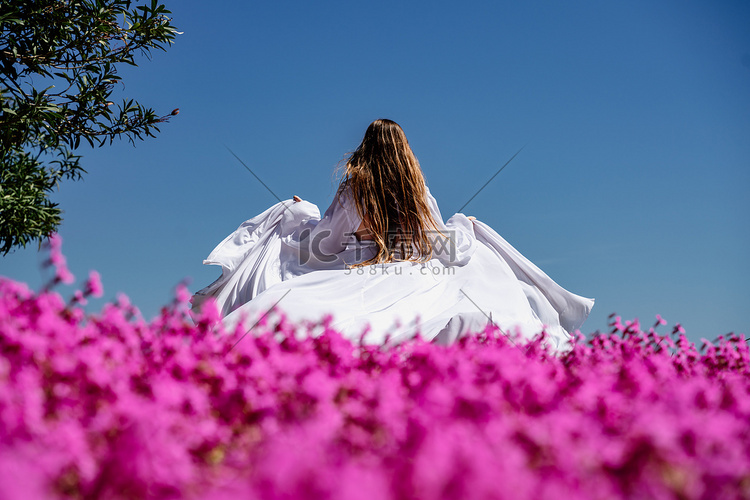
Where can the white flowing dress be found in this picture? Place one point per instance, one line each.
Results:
(290, 259)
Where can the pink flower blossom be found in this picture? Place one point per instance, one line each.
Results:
(182, 295)
(94, 285)
(57, 260)
(617, 324)
(79, 298)
(107, 405)
(63, 274)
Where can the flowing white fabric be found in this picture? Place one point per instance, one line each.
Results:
(289, 258)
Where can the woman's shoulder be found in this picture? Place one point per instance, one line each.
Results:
(344, 198)
(433, 205)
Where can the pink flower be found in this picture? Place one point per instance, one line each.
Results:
(94, 285)
(108, 405)
(63, 275)
(79, 298)
(182, 295)
(55, 243)
(56, 258)
(617, 324)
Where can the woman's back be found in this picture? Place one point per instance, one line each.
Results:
(389, 194)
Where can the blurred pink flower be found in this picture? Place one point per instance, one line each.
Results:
(79, 298)
(63, 275)
(182, 295)
(94, 285)
(107, 405)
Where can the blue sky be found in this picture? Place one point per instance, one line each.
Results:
(635, 117)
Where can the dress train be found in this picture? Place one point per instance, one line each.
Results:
(269, 262)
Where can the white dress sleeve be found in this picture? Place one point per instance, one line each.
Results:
(457, 242)
(335, 231)
(252, 258)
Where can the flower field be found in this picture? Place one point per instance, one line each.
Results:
(108, 405)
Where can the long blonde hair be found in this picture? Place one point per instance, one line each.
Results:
(390, 195)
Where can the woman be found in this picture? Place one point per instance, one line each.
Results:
(384, 265)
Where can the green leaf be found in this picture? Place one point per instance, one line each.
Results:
(71, 43)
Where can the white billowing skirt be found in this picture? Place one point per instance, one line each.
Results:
(265, 265)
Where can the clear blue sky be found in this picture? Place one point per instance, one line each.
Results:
(632, 187)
